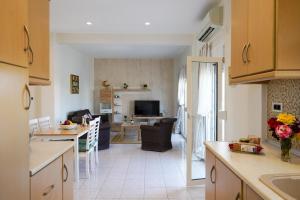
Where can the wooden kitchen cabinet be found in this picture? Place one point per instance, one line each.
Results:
(47, 183)
(218, 180)
(228, 185)
(252, 36)
(210, 165)
(264, 40)
(13, 36)
(250, 194)
(39, 35)
(68, 174)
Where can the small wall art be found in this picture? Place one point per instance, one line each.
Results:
(74, 83)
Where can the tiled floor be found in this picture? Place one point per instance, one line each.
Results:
(126, 172)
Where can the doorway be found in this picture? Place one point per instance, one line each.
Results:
(204, 100)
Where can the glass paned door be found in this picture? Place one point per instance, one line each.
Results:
(204, 87)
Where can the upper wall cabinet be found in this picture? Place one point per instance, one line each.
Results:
(14, 34)
(265, 40)
(39, 35)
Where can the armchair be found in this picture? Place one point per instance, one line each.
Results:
(158, 137)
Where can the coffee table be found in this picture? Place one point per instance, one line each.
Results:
(134, 126)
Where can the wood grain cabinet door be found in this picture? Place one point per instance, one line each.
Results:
(47, 183)
(210, 168)
(68, 174)
(251, 195)
(239, 37)
(39, 33)
(228, 185)
(260, 51)
(13, 36)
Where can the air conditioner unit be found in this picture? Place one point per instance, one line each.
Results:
(210, 24)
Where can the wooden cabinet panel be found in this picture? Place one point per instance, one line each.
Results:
(210, 163)
(224, 179)
(288, 31)
(68, 174)
(251, 195)
(13, 40)
(14, 181)
(239, 37)
(39, 34)
(47, 183)
(261, 36)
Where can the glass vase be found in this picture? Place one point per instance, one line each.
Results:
(286, 145)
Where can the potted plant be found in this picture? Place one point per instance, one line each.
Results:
(285, 128)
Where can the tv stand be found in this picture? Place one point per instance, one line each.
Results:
(148, 118)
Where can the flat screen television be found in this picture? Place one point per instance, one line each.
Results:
(146, 108)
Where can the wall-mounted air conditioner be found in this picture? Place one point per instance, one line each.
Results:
(210, 24)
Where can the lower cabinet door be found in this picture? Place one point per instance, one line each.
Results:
(251, 195)
(210, 168)
(228, 185)
(47, 183)
(68, 174)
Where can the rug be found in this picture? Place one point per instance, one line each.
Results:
(130, 138)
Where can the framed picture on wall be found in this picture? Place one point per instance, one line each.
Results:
(74, 83)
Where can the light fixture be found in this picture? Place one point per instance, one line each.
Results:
(147, 23)
(89, 23)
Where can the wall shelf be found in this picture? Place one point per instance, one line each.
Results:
(131, 90)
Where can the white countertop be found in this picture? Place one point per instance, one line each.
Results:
(43, 153)
(249, 167)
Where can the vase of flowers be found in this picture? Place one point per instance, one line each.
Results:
(285, 128)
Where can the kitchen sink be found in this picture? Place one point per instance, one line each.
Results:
(285, 185)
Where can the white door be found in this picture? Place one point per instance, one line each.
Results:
(204, 101)
(14, 133)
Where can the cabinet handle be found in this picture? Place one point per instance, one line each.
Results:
(211, 172)
(247, 50)
(243, 54)
(67, 172)
(31, 56)
(29, 97)
(237, 196)
(28, 38)
(51, 187)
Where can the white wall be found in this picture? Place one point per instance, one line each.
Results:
(56, 100)
(157, 73)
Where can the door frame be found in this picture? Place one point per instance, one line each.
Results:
(189, 131)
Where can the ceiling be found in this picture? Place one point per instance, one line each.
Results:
(176, 17)
(130, 51)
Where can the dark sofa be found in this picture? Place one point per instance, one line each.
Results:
(104, 129)
(158, 137)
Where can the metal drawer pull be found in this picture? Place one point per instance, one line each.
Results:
(211, 172)
(247, 50)
(29, 97)
(50, 189)
(237, 196)
(67, 172)
(31, 56)
(243, 54)
(28, 38)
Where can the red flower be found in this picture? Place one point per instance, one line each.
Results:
(273, 123)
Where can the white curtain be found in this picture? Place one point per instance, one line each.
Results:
(204, 126)
(180, 124)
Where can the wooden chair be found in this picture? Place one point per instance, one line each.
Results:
(96, 137)
(44, 123)
(33, 127)
(86, 147)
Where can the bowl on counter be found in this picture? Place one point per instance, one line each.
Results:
(68, 127)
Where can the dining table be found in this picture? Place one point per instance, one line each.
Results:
(63, 135)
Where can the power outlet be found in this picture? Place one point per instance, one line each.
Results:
(277, 107)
